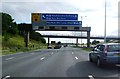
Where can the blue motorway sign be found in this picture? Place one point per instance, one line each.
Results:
(58, 23)
(64, 23)
(48, 17)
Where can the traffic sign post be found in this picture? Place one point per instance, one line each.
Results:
(52, 21)
(35, 17)
(64, 23)
(58, 22)
(62, 17)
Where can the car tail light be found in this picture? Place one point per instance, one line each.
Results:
(106, 50)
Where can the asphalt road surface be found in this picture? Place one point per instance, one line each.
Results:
(64, 62)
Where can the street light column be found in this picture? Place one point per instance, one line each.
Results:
(81, 31)
(105, 25)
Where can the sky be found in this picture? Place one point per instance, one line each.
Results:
(92, 11)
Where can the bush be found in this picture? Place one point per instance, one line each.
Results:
(6, 38)
(37, 36)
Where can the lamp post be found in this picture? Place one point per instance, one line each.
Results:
(81, 31)
(105, 25)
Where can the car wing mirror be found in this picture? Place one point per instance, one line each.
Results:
(98, 49)
(93, 49)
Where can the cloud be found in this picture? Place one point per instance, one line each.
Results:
(34, 1)
(93, 9)
(21, 11)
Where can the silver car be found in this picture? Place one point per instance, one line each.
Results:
(105, 54)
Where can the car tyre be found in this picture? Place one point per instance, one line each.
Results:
(99, 63)
(90, 59)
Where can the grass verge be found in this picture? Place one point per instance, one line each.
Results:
(87, 49)
(16, 44)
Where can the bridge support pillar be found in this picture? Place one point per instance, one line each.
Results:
(26, 38)
(48, 41)
(76, 42)
(88, 38)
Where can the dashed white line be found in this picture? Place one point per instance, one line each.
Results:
(90, 76)
(118, 65)
(14, 54)
(72, 52)
(6, 77)
(32, 53)
(76, 58)
(42, 58)
(1, 56)
(52, 53)
(10, 58)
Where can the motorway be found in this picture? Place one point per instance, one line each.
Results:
(64, 62)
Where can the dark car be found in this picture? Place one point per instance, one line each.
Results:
(49, 47)
(65, 45)
(104, 54)
(57, 46)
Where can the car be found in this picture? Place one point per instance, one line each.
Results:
(65, 45)
(57, 46)
(49, 47)
(103, 54)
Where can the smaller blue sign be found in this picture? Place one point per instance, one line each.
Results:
(42, 23)
(51, 17)
(64, 23)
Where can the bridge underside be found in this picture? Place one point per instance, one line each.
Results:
(85, 29)
(83, 37)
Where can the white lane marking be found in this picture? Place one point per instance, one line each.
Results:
(42, 58)
(76, 58)
(32, 53)
(13, 54)
(90, 76)
(72, 52)
(6, 77)
(118, 65)
(1, 56)
(52, 53)
(10, 58)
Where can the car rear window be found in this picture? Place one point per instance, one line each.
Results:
(114, 48)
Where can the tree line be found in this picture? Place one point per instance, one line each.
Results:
(10, 27)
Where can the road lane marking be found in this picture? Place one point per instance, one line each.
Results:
(42, 58)
(1, 56)
(6, 77)
(72, 52)
(118, 65)
(76, 58)
(90, 76)
(32, 53)
(10, 58)
(52, 53)
(14, 54)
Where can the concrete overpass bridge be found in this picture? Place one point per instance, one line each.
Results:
(82, 37)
